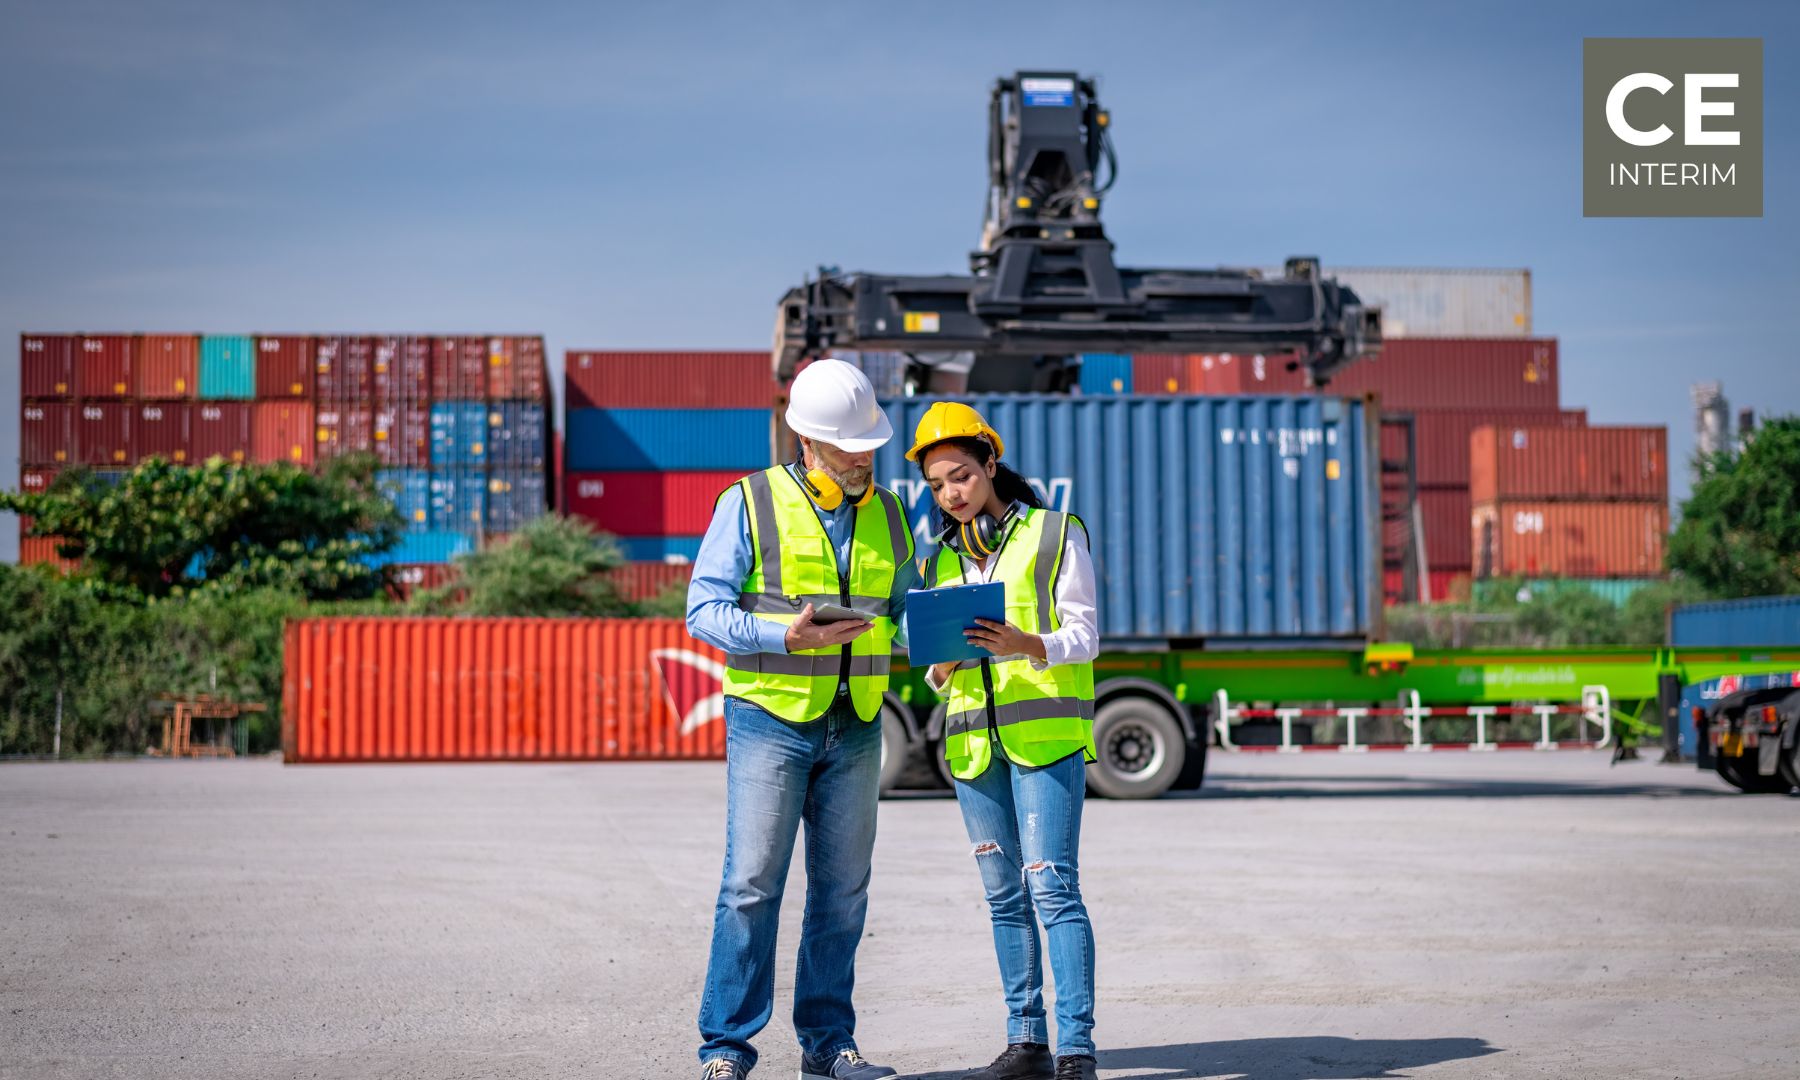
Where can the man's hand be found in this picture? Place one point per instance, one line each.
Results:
(803, 633)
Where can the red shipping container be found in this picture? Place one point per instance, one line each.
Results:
(1569, 539)
(1444, 512)
(1468, 374)
(46, 365)
(41, 551)
(282, 431)
(161, 429)
(668, 380)
(36, 481)
(168, 366)
(409, 689)
(647, 503)
(401, 435)
(103, 433)
(340, 429)
(284, 367)
(103, 366)
(1589, 464)
(220, 429)
(1163, 373)
(341, 368)
(1253, 373)
(516, 369)
(1442, 585)
(1441, 439)
(401, 369)
(640, 581)
(47, 433)
(406, 579)
(459, 369)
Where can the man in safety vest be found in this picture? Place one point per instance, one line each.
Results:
(802, 715)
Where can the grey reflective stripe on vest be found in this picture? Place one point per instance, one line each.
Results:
(898, 529)
(778, 604)
(1020, 712)
(768, 535)
(1044, 569)
(828, 665)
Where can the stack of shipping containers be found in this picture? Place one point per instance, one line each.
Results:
(110, 401)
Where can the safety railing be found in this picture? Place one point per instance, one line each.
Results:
(1595, 709)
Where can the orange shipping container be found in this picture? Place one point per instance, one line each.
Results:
(1525, 462)
(167, 366)
(41, 551)
(1569, 539)
(282, 431)
(499, 690)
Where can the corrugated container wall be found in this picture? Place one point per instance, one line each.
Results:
(425, 546)
(516, 497)
(458, 433)
(516, 369)
(402, 434)
(1441, 303)
(1518, 374)
(499, 690)
(1569, 539)
(1247, 373)
(410, 492)
(1105, 373)
(103, 366)
(341, 368)
(1442, 438)
(671, 549)
(640, 581)
(341, 427)
(407, 580)
(161, 429)
(1162, 373)
(36, 481)
(284, 367)
(517, 434)
(458, 500)
(103, 433)
(1591, 463)
(647, 503)
(168, 366)
(459, 369)
(401, 370)
(1754, 622)
(282, 431)
(47, 433)
(1224, 518)
(46, 365)
(603, 440)
(667, 380)
(220, 429)
(227, 368)
(1444, 513)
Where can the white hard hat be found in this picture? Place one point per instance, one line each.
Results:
(833, 402)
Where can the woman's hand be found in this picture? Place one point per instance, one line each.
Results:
(1004, 639)
(940, 673)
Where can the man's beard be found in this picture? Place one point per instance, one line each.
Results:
(854, 482)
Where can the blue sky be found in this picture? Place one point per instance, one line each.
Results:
(657, 176)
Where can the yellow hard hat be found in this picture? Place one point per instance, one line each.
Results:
(952, 420)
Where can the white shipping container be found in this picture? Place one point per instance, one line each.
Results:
(1459, 303)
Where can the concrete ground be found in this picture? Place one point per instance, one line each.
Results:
(1319, 916)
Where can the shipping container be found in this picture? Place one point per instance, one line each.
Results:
(41, 551)
(516, 497)
(36, 481)
(103, 365)
(282, 431)
(47, 433)
(1162, 374)
(647, 503)
(424, 546)
(641, 581)
(1613, 590)
(402, 435)
(459, 368)
(1752, 623)
(1441, 303)
(1518, 462)
(516, 434)
(227, 368)
(410, 492)
(1218, 518)
(606, 440)
(416, 689)
(1441, 586)
(1569, 539)
(103, 433)
(458, 501)
(1105, 374)
(407, 580)
(168, 366)
(458, 433)
(46, 366)
(1444, 513)
(1247, 373)
(668, 380)
(1518, 374)
(516, 369)
(161, 429)
(669, 549)
(1441, 438)
(400, 370)
(886, 371)
(341, 368)
(284, 367)
(341, 427)
(220, 429)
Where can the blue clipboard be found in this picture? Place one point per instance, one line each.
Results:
(936, 618)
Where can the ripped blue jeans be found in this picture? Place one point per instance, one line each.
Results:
(1025, 825)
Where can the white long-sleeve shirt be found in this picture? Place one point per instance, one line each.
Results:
(1077, 640)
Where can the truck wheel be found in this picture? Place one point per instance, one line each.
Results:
(1141, 749)
(896, 752)
(1193, 774)
(942, 763)
(1740, 773)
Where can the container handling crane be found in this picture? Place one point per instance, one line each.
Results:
(1043, 286)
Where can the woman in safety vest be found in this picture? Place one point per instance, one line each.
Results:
(1019, 730)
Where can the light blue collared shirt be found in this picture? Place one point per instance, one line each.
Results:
(724, 563)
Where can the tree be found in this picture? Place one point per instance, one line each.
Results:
(1740, 528)
(169, 530)
(555, 566)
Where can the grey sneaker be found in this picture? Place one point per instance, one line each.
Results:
(847, 1065)
(723, 1068)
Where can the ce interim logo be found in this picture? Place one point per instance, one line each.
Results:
(1672, 127)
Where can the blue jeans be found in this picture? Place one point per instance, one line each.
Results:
(1026, 828)
(826, 773)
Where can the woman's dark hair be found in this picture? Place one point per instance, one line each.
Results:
(1008, 484)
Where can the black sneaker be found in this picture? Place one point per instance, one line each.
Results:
(845, 1065)
(723, 1068)
(1020, 1061)
(1076, 1068)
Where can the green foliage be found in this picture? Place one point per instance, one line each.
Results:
(1506, 613)
(553, 567)
(1740, 529)
(238, 527)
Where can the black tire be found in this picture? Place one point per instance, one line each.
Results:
(1740, 773)
(1142, 749)
(942, 764)
(896, 752)
(1193, 772)
(1790, 764)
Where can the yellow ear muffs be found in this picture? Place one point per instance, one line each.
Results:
(826, 492)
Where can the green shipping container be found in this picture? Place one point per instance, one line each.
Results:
(227, 368)
(1617, 590)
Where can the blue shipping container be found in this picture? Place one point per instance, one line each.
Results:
(516, 434)
(637, 440)
(458, 500)
(1105, 374)
(659, 548)
(458, 433)
(410, 490)
(515, 498)
(425, 547)
(1760, 620)
(1234, 519)
(227, 368)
